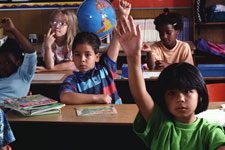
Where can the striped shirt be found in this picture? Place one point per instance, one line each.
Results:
(99, 80)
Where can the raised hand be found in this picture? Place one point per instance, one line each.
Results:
(129, 37)
(124, 8)
(7, 24)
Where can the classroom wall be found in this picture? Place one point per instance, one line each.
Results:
(36, 21)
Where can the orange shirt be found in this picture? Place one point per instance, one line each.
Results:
(180, 53)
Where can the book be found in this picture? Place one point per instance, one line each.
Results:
(33, 105)
(29, 101)
(96, 110)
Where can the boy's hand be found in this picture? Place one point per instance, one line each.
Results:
(49, 38)
(124, 8)
(130, 37)
(104, 99)
(7, 24)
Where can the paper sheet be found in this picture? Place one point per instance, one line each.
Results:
(213, 115)
(151, 74)
(48, 76)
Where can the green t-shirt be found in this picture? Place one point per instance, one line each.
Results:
(162, 133)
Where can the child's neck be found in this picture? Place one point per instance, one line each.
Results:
(60, 41)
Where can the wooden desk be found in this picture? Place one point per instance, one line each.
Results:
(48, 75)
(125, 116)
(66, 131)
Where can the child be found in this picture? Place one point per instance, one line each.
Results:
(16, 70)
(57, 45)
(169, 122)
(169, 50)
(6, 134)
(94, 83)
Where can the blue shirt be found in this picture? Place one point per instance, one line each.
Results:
(18, 84)
(99, 80)
(6, 134)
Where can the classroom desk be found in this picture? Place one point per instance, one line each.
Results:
(67, 131)
(125, 116)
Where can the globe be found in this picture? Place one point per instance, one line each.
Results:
(96, 16)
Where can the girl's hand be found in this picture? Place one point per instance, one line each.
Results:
(41, 69)
(130, 37)
(146, 47)
(159, 65)
(7, 24)
(124, 8)
(49, 38)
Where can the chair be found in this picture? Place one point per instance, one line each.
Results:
(216, 92)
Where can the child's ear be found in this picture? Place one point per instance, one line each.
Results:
(97, 57)
(177, 32)
(18, 63)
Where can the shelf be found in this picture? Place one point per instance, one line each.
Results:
(210, 23)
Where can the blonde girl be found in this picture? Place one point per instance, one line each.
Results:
(57, 45)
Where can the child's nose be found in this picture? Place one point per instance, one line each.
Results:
(181, 97)
(83, 58)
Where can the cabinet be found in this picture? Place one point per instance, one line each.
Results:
(209, 31)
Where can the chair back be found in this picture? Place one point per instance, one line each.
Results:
(216, 92)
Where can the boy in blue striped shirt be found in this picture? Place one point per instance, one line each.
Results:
(94, 82)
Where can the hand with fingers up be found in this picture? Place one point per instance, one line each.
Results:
(129, 36)
(49, 39)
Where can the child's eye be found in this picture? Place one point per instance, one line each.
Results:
(88, 55)
(171, 92)
(187, 91)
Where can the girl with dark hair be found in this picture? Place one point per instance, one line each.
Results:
(169, 121)
(169, 50)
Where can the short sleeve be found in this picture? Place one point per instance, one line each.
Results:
(6, 134)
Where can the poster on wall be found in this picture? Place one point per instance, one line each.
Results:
(156, 3)
(42, 4)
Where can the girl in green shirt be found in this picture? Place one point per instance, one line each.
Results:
(169, 121)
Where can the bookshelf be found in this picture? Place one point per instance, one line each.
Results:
(209, 31)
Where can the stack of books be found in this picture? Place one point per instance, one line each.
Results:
(33, 105)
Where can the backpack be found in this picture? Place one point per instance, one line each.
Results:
(210, 48)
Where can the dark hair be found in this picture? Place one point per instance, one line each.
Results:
(179, 76)
(87, 37)
(11, 46)
(169, 18)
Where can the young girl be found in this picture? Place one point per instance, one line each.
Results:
(18, 61)
(169, 122)
(57, 45)
(169, 50)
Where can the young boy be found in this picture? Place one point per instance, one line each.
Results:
(16, 70)
(94, 83)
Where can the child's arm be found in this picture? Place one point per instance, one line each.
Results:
(67, 97)
(25, 44)
(150, 61)
(131, 41)
(114, 47)
(49, 39)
